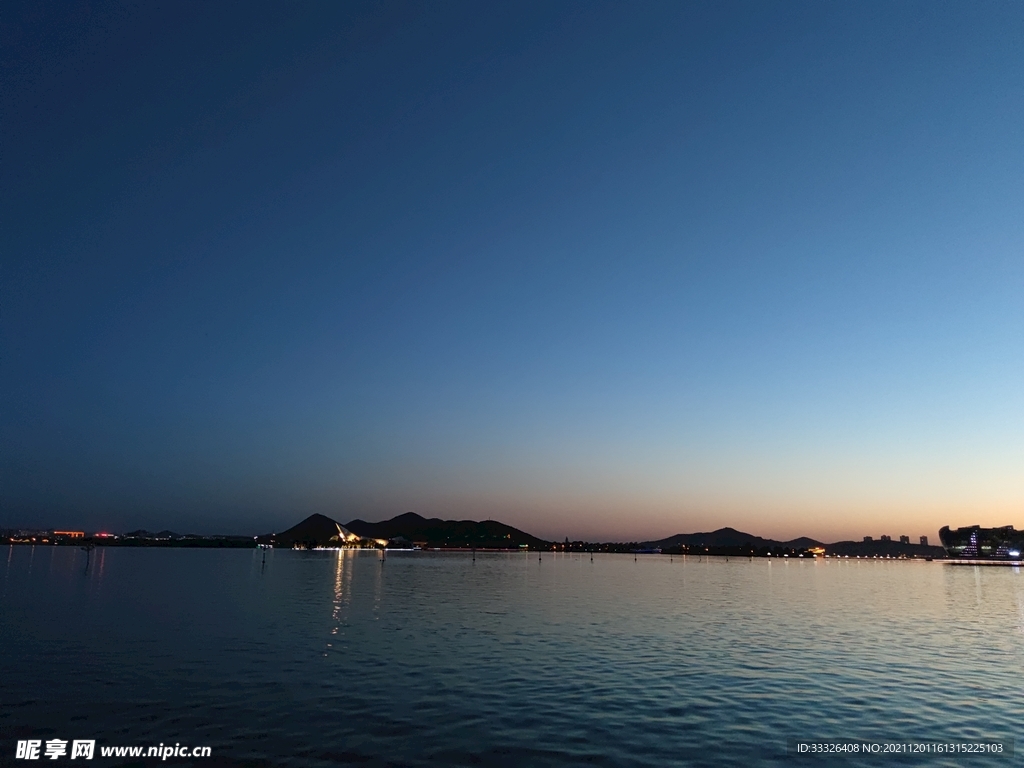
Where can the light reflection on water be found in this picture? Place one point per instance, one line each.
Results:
(321, 658)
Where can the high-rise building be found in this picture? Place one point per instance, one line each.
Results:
(883, 537)
(904, 539)
(924, 541)
(867, 539)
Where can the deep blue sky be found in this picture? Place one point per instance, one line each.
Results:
(597, 270)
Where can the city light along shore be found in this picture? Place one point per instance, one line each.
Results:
(972, 545)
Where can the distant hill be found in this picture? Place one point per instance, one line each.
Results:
(802, 543)
(434, 532)
(143, 534)
(314, 531)
(729, 537)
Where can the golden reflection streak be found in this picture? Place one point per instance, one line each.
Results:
(340, 598)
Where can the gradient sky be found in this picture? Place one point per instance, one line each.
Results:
(608, 271)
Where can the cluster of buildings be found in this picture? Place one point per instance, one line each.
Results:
(33, 536)
(903, 539)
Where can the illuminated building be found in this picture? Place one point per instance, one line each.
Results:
(974, 542)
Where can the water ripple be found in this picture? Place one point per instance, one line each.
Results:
(325, 658)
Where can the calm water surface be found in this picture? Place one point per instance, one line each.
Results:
(327, 658)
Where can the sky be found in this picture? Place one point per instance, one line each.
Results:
(609, 271)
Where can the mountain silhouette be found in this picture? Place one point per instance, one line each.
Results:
(434, 532)
(729, 537)
(315, 531)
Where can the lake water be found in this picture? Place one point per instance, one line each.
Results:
(328, 658)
